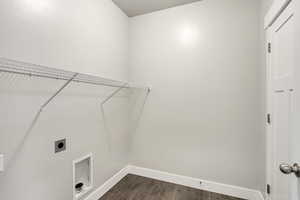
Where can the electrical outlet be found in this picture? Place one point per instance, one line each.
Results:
(60, 145)
(1, 163)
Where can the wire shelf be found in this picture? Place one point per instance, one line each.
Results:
(22, 68)
(16, 75)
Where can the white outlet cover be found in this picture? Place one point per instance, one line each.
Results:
(1, 163)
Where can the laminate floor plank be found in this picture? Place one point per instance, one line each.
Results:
(133, 187)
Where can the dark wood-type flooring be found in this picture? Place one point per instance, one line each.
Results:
(134, 187)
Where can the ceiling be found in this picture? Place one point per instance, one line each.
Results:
(139, 7)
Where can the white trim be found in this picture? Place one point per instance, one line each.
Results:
(91, 175)
(230, 190)
(98, 193)
(225, 189)
(285, 14)
(277, 7)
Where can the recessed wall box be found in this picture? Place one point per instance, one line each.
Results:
(82, 176)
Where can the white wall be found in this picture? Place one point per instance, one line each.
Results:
(203, 117)
(88, 36)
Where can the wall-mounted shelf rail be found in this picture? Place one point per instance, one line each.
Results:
(22, 68)
(33, 70)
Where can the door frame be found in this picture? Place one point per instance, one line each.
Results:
(278, 7)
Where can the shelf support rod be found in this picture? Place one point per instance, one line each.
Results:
(58, 91)
(37, 115)
(113, 94)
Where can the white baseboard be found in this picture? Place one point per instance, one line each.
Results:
(108, 184)
(230, 190)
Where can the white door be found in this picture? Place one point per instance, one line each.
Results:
(283, 144)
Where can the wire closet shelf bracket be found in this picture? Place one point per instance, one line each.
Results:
(33, 70)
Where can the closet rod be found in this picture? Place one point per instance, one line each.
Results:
(21, 68)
